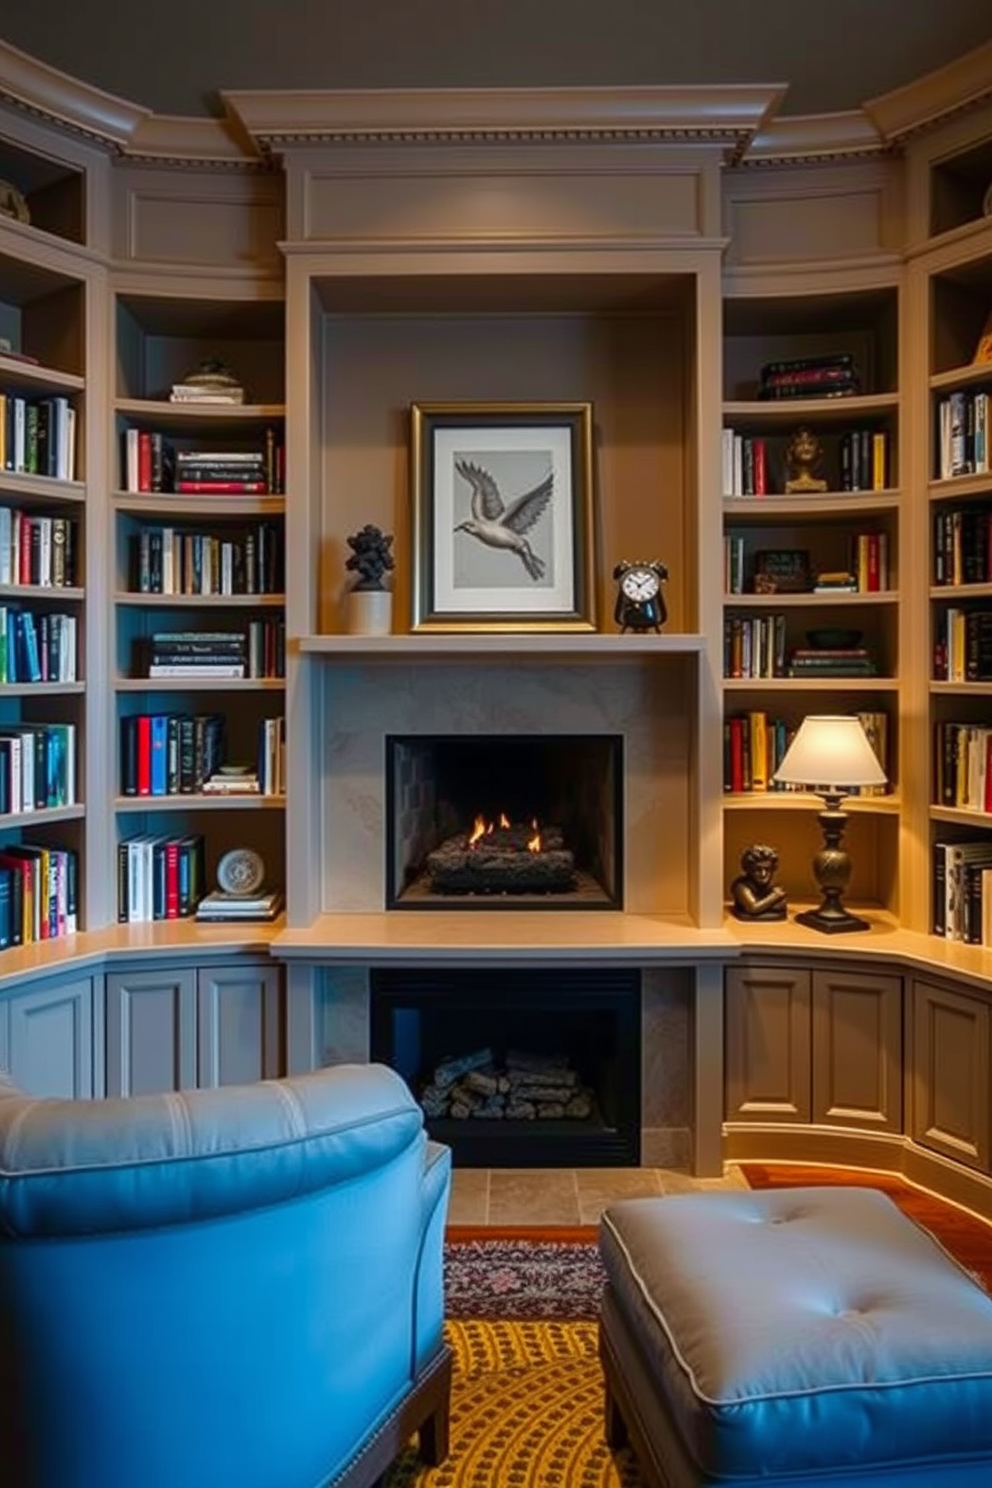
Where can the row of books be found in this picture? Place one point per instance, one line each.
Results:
(962, 645)
(962, 757)
(753, 465)
(747, 572)
(755, 744)
(962, 891)
(37, 648)
(37, 766)
(754, 646)
(962, 544)
(257, 651)
(153, 464)
(37, 550)
(159, 877)
(38, 436)
(963, 434)
(38, 893)
(829, 376)
(175, 560)
(174, 754)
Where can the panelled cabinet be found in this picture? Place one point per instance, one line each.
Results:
(951, 1072)
(820, 1046)
(170, 1028)
(49, 1037)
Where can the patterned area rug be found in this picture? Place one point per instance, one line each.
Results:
(527, 1412)
(515, 1279)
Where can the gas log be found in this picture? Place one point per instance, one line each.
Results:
(523, 1087)
(503, 860)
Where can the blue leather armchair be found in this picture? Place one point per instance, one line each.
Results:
(234, 1288)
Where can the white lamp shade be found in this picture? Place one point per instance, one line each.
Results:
(829, 755)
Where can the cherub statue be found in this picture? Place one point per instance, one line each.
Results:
(803, 454)
(370, 556)
(755, 896)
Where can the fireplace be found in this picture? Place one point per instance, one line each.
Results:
(504, 821)
(545, 1064)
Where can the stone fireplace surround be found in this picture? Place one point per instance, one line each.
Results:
(646, 702)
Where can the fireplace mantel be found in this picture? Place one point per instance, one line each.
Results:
(448, 937)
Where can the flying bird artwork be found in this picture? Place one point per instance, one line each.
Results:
(498, 525)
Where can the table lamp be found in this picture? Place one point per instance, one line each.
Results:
(829, 756)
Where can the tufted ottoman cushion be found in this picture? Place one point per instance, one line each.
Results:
(794, 1335)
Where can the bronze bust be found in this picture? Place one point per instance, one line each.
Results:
(754, 894)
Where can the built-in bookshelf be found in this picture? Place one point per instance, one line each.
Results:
(959, 292)
(199, 591)
(46, 292)
(811, 577)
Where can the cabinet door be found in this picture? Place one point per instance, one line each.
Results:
(857, 1049)
(151, 1030)
(952, 1048)
(767, 1017)
(46, 1038)
(239, 1019)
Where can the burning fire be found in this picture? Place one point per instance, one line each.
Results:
(482, 828)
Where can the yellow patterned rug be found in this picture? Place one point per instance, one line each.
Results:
(526, 1412)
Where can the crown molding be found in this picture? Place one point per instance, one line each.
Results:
(60, 99)
(932, 99)
(173, 140)
(810, 139)
(727, 116)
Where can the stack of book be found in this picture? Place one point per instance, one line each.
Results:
(196, 653)
(832, 376)
(211, 382)
(224, 472)
(831, 661)
(220, 906)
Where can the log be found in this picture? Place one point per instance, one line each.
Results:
(501, 863)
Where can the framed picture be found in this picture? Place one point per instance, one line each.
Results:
(502, 516)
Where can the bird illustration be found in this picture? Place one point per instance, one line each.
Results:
(502, 526)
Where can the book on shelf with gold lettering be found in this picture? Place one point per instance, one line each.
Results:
(983, 350)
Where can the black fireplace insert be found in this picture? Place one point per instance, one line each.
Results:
(527, 1067)
(501, 821)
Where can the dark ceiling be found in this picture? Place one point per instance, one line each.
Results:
(174, 57)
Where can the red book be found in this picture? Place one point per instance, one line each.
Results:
(144, 461)
(874, 579)
(760, 468)
(172, 879)
(222, 488)
(144, 754)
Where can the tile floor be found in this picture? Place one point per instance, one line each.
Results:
(564, 1196)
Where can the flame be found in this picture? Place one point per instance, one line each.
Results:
(479, 830)
(503, 819)
(534, 844)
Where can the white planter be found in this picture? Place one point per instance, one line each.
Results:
(369, 612)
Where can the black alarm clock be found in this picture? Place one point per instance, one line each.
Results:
(640, 603)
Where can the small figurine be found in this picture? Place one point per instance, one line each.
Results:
(755, 896)
(802, 456)
(370, 556)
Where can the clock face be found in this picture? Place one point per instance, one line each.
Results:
(640, 584)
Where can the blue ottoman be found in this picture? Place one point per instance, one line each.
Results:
(793, 1336)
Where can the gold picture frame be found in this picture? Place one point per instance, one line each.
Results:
(503, 531)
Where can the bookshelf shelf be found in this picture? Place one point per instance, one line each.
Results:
(34, 489)
(801, 801)
(790, 412)
(128, 805)
(125, 598)
(162, 504)
(202, 684)
(806, 599)
(775, 507)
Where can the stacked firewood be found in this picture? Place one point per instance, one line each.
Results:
(523, 1086)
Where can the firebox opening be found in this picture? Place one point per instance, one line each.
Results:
(504, 821)
(527, 1068)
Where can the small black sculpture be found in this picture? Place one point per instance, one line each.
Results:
(370, 556)
(755, 896)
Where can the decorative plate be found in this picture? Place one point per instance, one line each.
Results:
(241, 871)
(12, 203)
